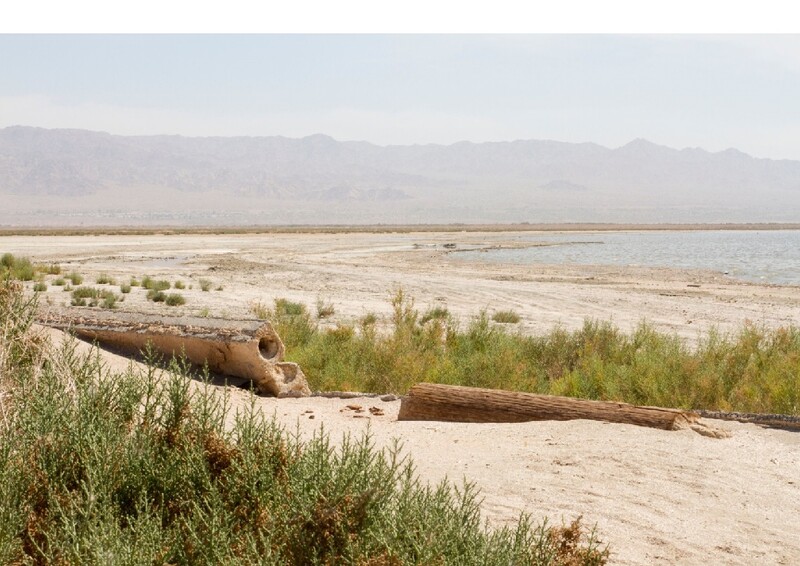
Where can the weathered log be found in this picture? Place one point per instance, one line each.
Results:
(250, 349)
(433, 402)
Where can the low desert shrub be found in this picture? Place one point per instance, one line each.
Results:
(205, 285)
(156, 296)
(435, 313)
(75, 278)
(59, 282)
(325, 310)
(179, 285)
(19, 268)
(104, 279)
(155, 285)
(140, 467)
(39, 286)
(506, 317)
(92, 297)
(125, 288)
(175, 299)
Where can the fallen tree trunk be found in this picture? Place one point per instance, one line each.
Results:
(433, 402)
(249, 349)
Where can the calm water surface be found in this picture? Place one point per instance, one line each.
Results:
(760, 256)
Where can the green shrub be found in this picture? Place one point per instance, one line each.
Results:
(75, 278)
(125, 288)
(285, 307)
(19, 268)
(104, 279)
(205, 284)
(90, 296)
(140, 468)
(159, 285)
(156, 296)
(40, 286)
(179, 285)
(48, 268)
(59, 282)
(368, 319)
(506, 317)
(175, 299)
(436, 313)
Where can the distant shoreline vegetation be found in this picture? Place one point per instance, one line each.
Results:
(386, 228)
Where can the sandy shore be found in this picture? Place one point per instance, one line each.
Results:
(656, 497)
(358, 272)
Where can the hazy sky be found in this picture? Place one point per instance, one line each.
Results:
(714, 92)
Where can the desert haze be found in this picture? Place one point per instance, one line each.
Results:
(80, 177)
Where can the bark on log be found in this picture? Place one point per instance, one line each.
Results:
(433, 402)
(249, 349)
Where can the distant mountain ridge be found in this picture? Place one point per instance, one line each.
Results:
(492, 181)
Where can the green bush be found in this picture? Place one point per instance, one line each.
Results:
(155, 285)
(125, 288)
(175, 299)
(92, 297)
(59, 282)
(205, 285)
(104, 279)
(140, 468)
(19, 268)
(39, 286)
(156, 296)
(755, 370)
(506, 317)
(75, 278)
(179, 285)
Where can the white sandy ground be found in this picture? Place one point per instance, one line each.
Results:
(358, 272)
(656, 497)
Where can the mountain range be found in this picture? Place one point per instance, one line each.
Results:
(85, 177)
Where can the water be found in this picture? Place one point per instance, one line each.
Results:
(760, 256)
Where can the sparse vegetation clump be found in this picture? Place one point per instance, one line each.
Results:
(92, 297)
(205, 285)
(19, 268)
(174, 300)
(753, 370)
(435, 313)
(59, 282)
(125, 288)
(156, 296)
(39, 287)
(104, 279)
(155, 285)
(75, 278)
(179, 284)
(506, 317)
(325, 310)
(141, 468)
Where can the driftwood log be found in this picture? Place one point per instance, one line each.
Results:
(249, 349)
(433, 402)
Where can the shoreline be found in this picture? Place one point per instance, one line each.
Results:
(136, 230)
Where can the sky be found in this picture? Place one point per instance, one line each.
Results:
(713, 91)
